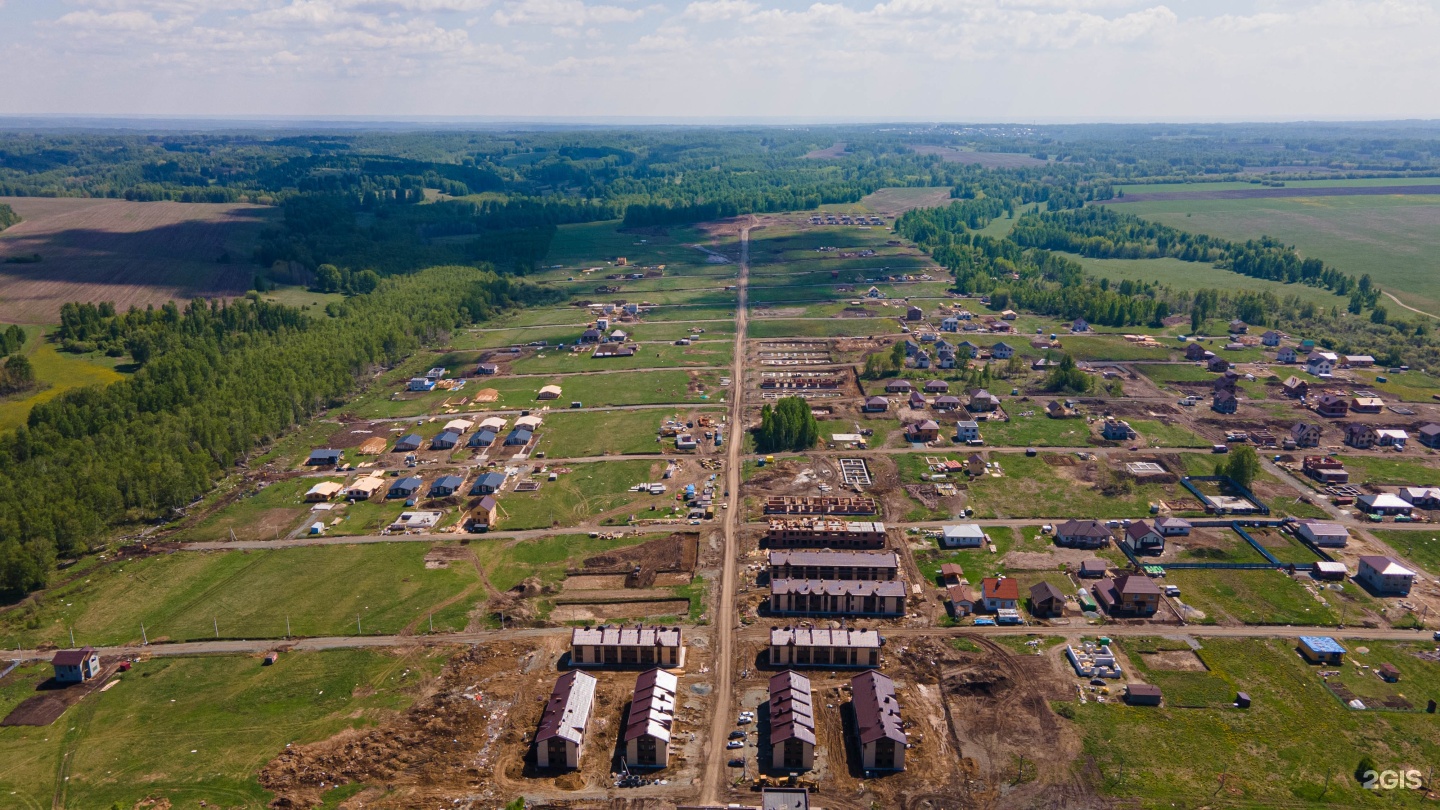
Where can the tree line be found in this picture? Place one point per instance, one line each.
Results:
(790, 425)
(8, 216)
(97, 459)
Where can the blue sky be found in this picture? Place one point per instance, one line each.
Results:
(952, 60)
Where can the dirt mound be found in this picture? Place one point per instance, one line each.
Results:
(440, 740)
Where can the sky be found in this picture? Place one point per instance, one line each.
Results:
(912, 60)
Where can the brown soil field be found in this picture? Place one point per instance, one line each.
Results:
(989, 160)
(1260, 193)
(605, 611)
(129, 253)
(1176, 660)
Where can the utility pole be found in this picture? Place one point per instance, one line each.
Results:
(358, 631)
(432, 622)
(72, 637)
(287, 625)
(144, 639)
(216, 619)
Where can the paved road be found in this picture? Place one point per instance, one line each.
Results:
(724, 641)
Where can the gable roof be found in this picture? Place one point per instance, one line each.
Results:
(877, 712)
(568, 709)
(1000, 588)
(1042, 591)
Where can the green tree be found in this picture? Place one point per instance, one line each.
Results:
(789, 425)
(1242, 466)
(327, 278)
(1066, 378)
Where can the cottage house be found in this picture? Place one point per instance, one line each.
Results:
(1238, 327)
(1365, 404)
(1142, 538)
(914, 313)
(1320, 364)
(1271, 338)
(549, 392)
(1393, 438)
(1009, 315)
(967, 432)
(947, 403)
(1421, 497)
(1294, 387)
(963, 535)
(1002, 351)
(420, 384)
(488, 484)
(926, 431)
(481, 438)
(1323, 533)
(1384, 576)
(519, 437)
(1332, 406)
(408, 443)
(962, 600)
(484, 516)
(323, 491)
(1116, 430)
(898, 387)
(1079, 325)
(951, 324)
(76, 666)
(1172, 527)
(967, 350)
(1305, 434)
(1286, 354)
(975, 465)
(917, 400)
(1046, 600)
(323, 458)
(1325, 469)
(445, 441)
(983, 401)
(446, 485)
(404, 487)
(487, 369)
(1359, 361)
(999, 593)
(875, 405)
(1128, 595)
(1429, 435)
(937, 387)
(922, 360)
(1195, 352)
(1082, 534)
(1384, 504)
(1224, 402)
(364, 488)
(945, 358)
(1360, 436)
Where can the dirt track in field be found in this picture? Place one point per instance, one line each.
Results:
(1262, 193)
(129, 253)
(989, 160)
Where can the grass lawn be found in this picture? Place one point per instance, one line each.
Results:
(593, 244)
(1111, 347)
(1032, 488)
(581, 494)
(1188, 373)
(490, 339)
(978, 563)
(831, 327)
(1396, 470)
(576, 434)
(1191, 276)
(1419, 547)
(196, 730)
(1250, 597)
(180, 595)
(1159, 434)
(1409, 386)
(297, 296)
(508, 563)
(1038, 430)
(1297, 744)
(57, 372)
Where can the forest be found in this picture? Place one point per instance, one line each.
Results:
(217, 380)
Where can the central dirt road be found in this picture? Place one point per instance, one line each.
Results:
(724, 619)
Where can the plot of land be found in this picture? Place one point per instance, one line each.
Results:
(130, 253)
(1393, 237)
(989, 160)
(185, 595)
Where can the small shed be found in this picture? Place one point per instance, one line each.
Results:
(1388, 672)
(1242, 700)
(1142, 694)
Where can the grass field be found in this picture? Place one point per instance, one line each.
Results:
(507, 564)
(594, 244)
(1296, 745)
(276, 509)
(197, 730)
(1395, 238)
(129, 253)
(182, 595)
(653, 355)
(831, 327)
(577, 434)
(57, 372)
(1397, 470)
(583, 493)
(1038, 430)
(1032, 488)
(1190, 276)
(1159, 434)
(1250, 597)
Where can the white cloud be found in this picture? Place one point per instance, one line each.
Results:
(567, 13)
(707, 11)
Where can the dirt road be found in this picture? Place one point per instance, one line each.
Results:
(724, 615)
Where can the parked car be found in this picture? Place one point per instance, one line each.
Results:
(737, 734)
(735, 744)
